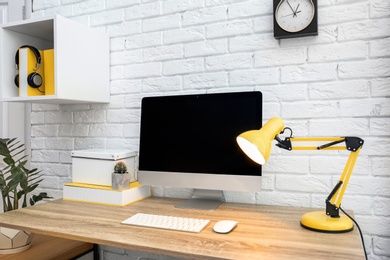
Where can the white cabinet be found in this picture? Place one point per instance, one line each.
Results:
(81, 60)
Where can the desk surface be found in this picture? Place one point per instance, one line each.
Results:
(266, 232)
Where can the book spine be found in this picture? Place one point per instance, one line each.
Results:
(23, 72)
(103, 196)
(48, 60)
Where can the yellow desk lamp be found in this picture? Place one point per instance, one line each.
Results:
(257, 145)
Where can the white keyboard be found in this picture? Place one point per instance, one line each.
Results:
(167, 222)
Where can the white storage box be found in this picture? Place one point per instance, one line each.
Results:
(94, 166)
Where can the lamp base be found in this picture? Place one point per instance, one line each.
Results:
(319, 221)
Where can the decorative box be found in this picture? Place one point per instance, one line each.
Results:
(94, 166)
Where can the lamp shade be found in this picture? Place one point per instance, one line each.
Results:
(256, 144)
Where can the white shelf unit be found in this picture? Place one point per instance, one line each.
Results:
(81, 60)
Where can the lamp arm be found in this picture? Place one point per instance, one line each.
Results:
(330, 144)
(353, 144)
(333, 192)
(334, 199)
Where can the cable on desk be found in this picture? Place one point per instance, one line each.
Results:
(360, 231)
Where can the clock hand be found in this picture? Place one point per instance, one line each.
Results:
(296, 10)
(290, 7)
(290, 14)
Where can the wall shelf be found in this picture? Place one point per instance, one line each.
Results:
(81, 60)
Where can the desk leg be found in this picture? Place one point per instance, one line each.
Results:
(95, 252)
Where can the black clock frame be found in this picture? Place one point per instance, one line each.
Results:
(310, 30)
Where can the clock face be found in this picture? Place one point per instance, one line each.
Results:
(294, 15)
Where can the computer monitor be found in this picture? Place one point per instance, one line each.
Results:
(189, 141)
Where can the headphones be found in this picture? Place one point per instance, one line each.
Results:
(34, 79)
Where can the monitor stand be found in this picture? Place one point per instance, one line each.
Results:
(203, 200)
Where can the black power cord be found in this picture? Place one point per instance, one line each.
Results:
(360, 231)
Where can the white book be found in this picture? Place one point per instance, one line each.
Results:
(100, 194)
(23, 72)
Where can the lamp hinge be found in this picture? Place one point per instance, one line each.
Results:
(332, 210)
(353, 143)
(284, 144)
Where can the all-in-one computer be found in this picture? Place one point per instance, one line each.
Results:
(189, 141)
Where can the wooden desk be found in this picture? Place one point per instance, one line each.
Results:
(266, 232)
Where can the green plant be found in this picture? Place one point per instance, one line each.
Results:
(16, 181)
(120, 167)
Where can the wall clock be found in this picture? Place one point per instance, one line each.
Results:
(295, 18)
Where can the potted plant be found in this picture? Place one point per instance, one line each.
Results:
(120, 177)
(16, 185)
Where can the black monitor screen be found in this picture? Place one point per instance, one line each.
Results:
(197, 133)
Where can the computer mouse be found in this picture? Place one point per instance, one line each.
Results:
(225, 226)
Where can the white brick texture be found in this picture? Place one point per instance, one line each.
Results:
(333, 84)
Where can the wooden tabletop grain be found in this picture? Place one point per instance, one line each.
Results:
(263, 232)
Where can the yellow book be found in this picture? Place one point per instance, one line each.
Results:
(100, 194)
(48, 60)
(28, 70)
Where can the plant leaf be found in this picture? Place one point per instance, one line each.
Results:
(15, 175)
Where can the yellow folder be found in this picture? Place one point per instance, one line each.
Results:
(48, 60)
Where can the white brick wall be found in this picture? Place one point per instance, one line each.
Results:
(336, 83)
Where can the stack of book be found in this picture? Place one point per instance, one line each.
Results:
(100, 194)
